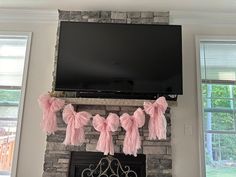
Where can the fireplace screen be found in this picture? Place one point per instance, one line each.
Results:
(92, 164)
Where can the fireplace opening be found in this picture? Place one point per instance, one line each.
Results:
(95, 164)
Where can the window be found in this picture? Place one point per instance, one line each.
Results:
(13, 70)
(218, 104)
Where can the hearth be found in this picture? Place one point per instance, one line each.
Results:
(85, 164)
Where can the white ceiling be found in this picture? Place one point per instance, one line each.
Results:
(127, 5)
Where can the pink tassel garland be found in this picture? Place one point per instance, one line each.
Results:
(75, 125)
(49, 105)
(131, 124)
(106, 127)
(157, 123)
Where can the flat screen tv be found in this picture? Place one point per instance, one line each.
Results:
(119, 60)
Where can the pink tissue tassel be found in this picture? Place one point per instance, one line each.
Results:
(131, 124)
(50, 105)
(157, 123)
(75, 125)
(106, 127)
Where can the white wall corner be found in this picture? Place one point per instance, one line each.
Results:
(198, 17)
(28, 16)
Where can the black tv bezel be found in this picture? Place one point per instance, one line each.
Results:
(92, 93)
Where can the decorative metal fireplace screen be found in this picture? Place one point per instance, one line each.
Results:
(90, 164)
(108, 166)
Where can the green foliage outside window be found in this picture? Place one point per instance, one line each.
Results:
(10, 96)
(223, 145)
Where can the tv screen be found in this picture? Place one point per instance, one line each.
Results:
(133, 59)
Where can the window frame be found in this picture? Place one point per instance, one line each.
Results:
(23, 94)
(198, 40)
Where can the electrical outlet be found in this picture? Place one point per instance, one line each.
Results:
(188, 129)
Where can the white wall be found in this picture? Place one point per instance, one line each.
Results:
(32, 146)
(185, 146)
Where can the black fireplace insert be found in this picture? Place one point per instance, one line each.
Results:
(95, 164)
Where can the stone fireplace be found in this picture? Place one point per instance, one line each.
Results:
(58, 157)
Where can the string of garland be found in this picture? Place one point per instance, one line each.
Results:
(130, 123)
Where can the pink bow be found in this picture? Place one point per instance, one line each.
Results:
(75, 125)
(106, 127)
(157, 122)
(50, 105)
(131, 124)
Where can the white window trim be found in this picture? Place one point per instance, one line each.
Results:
(198, 39)
(22, 99)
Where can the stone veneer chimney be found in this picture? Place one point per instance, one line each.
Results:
(158, 153)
